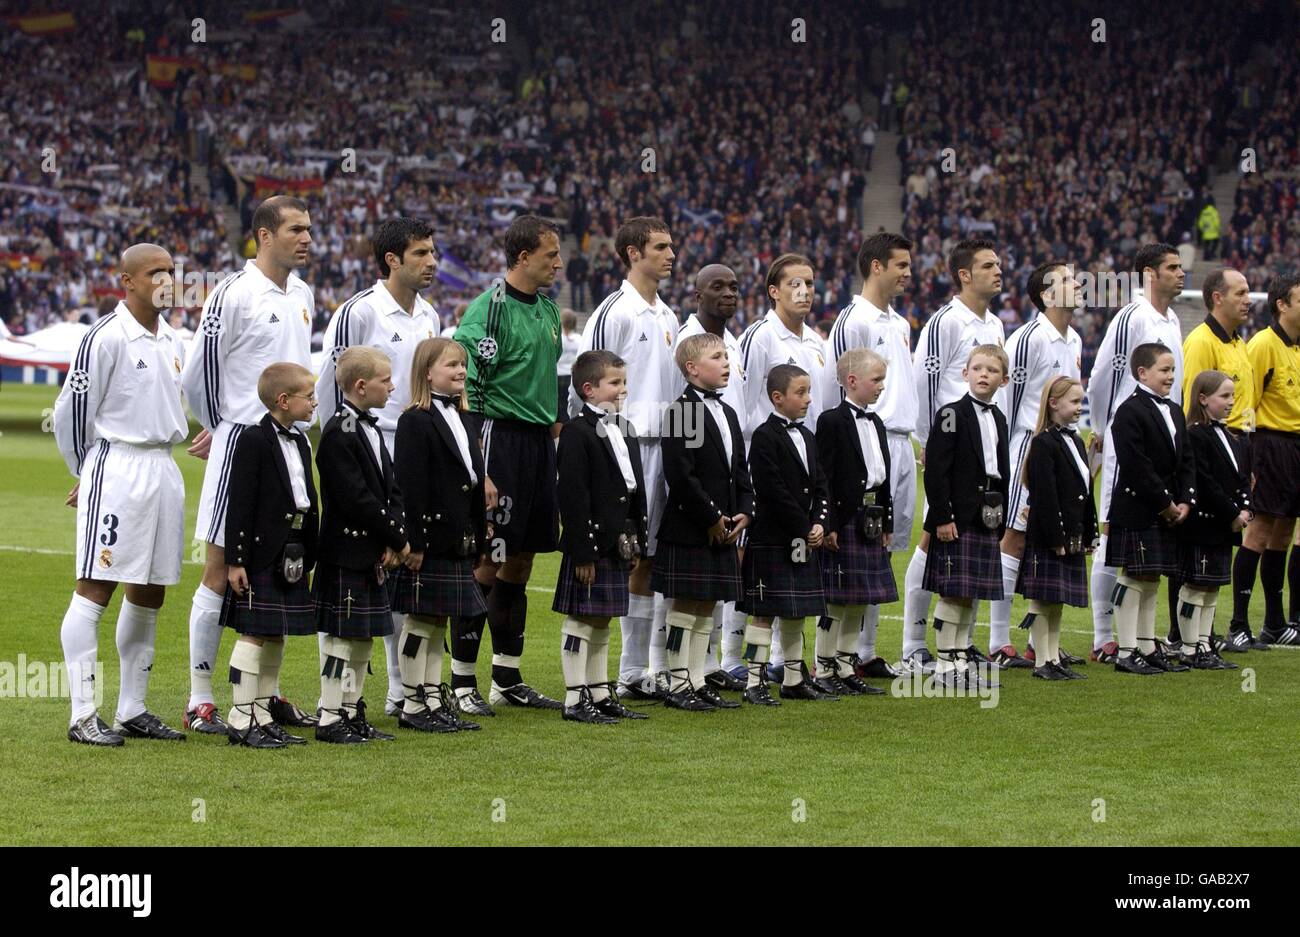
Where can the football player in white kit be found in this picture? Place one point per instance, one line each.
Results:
(1040, 351)
(392, 316)
(115, 422)
(1147, 318)
(782, 337)
(870, 322)
(942, 349)
(639, 327)
(254, 318)
(717, 294)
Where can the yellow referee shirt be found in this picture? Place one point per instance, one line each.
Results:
(1275, 360)
(1209, 348)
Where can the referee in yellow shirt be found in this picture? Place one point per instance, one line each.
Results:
(1216, 345)
(1275, 461)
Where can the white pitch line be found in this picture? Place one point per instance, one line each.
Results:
(11, 548)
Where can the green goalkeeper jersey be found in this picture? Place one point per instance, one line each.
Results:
(513, 345)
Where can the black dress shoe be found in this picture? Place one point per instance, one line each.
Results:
(521, 694)
(364, 729)
(91, 730)
(585, 711)
(277, 732)
(287, 714)
(721, 680)
(635, 691)
(422, 721)
(255, 737)
(806, 690)
(1069, 660)
(1162, 661)
(1069, 674)
(759, 696)
(689, 701)
(147, 726)
(1048, 671)
(877, 669)
(339, 733)
(1136, 663)
(711, 696)
(833, 685)
(610, 706)
(860, 687)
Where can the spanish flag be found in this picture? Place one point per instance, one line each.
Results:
(162, 69)
(45, 24)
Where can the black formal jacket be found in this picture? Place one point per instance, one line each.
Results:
(260, 505)
(594, 500)
(362, 504)
(788, 499)
(1153, 470)
(955, 481)
(1060, 499)
(845, 465)
(440, 502)
(702, 485)
(1222, 489)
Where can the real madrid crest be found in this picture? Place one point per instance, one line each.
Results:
(176, 363)
(668, 339)
(106, 558)
(821, 363)
(306, 320)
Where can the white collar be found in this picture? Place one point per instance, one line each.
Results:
(784, 334)
(631, 290)
(968, 313)
(392, 306)
(871, 309)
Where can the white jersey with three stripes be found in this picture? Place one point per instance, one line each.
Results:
(942, 351)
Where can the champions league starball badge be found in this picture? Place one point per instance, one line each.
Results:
(1019, 375)
(79, 381)
(211, 325)
(487, 348)
(932, 364)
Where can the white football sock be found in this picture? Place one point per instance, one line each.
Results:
(677, 648)
(392, 658)
(866, 635)
(758, 641)
(1000, 610)
(575, 639)
(916, 604)
(1101, 585)
(733, 637)
(135, 635)
(79, 635)
(792, 651)
(598, 663)
(413, 651)
(718, 620)
(635, 628)
(268, 678)
(205, 640)
(245, 664)
(658, 655)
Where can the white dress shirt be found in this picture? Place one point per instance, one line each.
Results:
(293, 461)
(451, 416)
(1078, 460)
(1227, 446)
(1162, 404)
(614, 433)
(871, 453)
(714, 407)
(800, 447)
(989, 438)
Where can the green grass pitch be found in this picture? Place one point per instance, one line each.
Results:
(1195, 758)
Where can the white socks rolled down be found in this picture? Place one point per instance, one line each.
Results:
(575, 645)
(1000, 610)
(916, 604)
(635, 628)
(205, 640)
(758, 642)
(79, 636)
(1101, 587)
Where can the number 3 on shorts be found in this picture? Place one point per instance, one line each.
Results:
(109, 536)
(503, 510)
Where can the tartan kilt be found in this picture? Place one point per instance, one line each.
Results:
(277, 610)
(1053, 579)
(607, 597)
(368, 616)
(447, 588)
(976, 566)
(868, 575)
(1218, 564)
(1159, 553)
(790, 590)
(696, 572)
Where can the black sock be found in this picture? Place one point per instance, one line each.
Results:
(1272, 572)
(1293, 583)
(507, 607)
(1175, 585)
(466, 636)
(1244, 567)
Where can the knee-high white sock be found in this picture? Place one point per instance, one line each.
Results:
(733, 636)
(79, 635)
(392, 658)
(866, 635)
(1207, 619)
(792, 651)
(1101, 586)
(1054, 633)
(826, 639)
(1000, 610)
(268, 679)
(1190, 602)
(916, 604)
(575, 639)
(697, 659)
(321, 639)
(848, 637)
(413, 659)
(758, 641)
(677, 648)
(719, 620)
(437, 650)
(1038, 631)
(945, 646)
(334, 672)
(598, 663)
(135, 636)
(1128, 606)
(1146, 626)
(245, 677)
(359, 664)
(205, 640)
(635, 628)
(657, 657)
